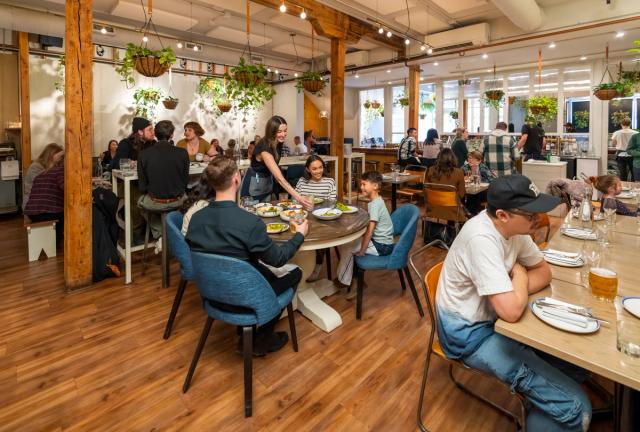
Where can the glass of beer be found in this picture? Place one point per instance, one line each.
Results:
(603, 283)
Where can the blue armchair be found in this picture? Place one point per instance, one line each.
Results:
(405, 224)
(224, 281)
(180, 250)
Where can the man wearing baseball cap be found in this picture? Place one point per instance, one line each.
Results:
(492, 267)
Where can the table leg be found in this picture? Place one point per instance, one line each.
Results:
(309, 296)
(393, 197)
(127, 230)
(349, 175)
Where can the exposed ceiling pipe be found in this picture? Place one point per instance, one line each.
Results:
(525, 14)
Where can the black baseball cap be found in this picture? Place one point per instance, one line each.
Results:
(518, 192)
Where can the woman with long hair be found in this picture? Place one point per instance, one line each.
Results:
(264, 162)
(198, 198)
(107, 156)
(48, 157)
(446, 171)
(46, 200)
(459, 145)
(431, 148)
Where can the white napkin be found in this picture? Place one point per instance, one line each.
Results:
(280, 271)
(564, 316)
(561, 253)
(580, 233)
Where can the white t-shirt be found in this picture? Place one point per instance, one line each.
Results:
(198, 205)
(300, 149)
(622, 137)
(478, 265)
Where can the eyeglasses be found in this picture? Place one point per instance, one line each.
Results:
(530, 216)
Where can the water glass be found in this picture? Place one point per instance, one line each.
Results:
(126, 166)
(609, 206)
(311, 199)
(591, 255)
(627, 330)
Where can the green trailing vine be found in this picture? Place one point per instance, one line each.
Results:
(541, 108)
(428, 102)
(58, 84)
(402, 100)
(165, 56)
(312, 82)
(493, 98)
(213, 93)
(246, 86)
(146, 100)
(581, 119)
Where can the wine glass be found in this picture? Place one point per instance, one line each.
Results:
(576, 202)
(591, 254)
(609, 206)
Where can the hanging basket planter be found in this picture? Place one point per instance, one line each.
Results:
(170, 103)
(375, 105)
(224, 106)
(150, 66)
(538, 110)
(403, 101)
(606, 94)
(366, 105)
(494, 94)
(313, 86)
(454, 115)
(248, 79)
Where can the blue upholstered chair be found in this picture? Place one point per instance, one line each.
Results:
(405, 224)
(180, 250)
(228, 281)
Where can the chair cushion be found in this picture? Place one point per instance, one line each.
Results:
(371, 262)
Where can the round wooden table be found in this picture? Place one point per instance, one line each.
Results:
(322, 234)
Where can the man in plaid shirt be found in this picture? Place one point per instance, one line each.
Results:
(499, 151)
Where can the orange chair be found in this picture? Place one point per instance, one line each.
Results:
(442, 202)
(545, 224)
(429, 288)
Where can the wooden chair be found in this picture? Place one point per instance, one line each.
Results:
(439, 199)
(418, 187)
(429, 287)
(543, 224)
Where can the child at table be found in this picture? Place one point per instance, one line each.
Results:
(474, 166)
(610, 186)
(377, 240)
(315, 183)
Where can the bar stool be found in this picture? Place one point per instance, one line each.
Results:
(388, 166)
(165, 252)
(371, 165)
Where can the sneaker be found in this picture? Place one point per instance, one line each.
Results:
(340, 285)
(315, 274)
(158, 246)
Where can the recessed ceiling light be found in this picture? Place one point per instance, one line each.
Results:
(620, 34)
(388, 70)
(179, 45)
(430, 50)
(552, 45)
(583, 57)
(380, 30)
(435, 63)
(283, 8)
(389, 34)
(485, 56)
(488, 70)
(303, 14)
(407, 41)
(388, 82)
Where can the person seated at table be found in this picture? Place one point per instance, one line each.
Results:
(198, 198)
(377, 239)
(49, 156)
(283, 149)
(315, 183)
(163, 174)
(310, 142)
(489, 272)
(408, 150)
(459, 145)
(430, 148)
(194, 144)
(215, 149)
(264, 162)
(46, 200)
(230, 152)
(446, 171)
(141, 137)
(107, 156)
(224, 228)
(610, 186)
(474, 166)
(298, 147)
(250, 148)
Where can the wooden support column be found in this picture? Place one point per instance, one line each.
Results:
(78, 144)
(338, 52)
(414, 95)
(25, 101)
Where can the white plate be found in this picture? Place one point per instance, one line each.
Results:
(625, 195)
(320, 214)
(592, 325)
(283, 227)
(632, 305)
(285, 215)
(351, 209)
(562, 263)
(597, 217)
(262, 207)
(578, 235)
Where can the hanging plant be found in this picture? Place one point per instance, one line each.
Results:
(608, 91)
(58, 84)
(581, 119)
(632, 78)
(375, 105)
(245, 86)
(542, 107)
(637, 49)
(454, 115)
(402, 100)
(618, 116)
(312, 82)
(214, 97)
(381, 110)
(170, 103)
(146, 100)
(147, 62)
(428, 103)
(493, 98)
(367, 104)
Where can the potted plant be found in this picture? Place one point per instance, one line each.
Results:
(637, 49)
(312, 82)
(618, 116)
(147, 62)
(542, 107)
(367, 104)
(214, 96)
(146, 100)
(381, 110)
(607, 91)
(245, 86)
(493, 98)
(376, 105)
(454, 115)
(581, 119)
(58, 84)
(170, 102)
(402, 100)
(633, 78)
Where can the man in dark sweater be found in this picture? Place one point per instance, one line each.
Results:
(225, 229)
(532, 141)
(163, 173)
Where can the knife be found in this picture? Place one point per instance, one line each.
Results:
(576, 310)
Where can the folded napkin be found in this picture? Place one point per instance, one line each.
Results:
(561, 253)
(564, 316)
(580, 233)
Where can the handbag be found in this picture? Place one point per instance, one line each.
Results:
(438, 231)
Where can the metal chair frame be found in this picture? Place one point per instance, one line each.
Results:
(519, 421)
(438, 187)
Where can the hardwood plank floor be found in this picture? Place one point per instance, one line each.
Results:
(95, 360)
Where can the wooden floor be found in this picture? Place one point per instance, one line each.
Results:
(96, 360)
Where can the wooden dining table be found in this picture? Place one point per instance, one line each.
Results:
(394, 181)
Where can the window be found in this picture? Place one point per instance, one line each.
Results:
(372, 118)
(449, 104)
(472, 95)
(397, 115)
(427, 112)
(619, 109)
(577, 113)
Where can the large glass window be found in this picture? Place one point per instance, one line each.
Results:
(427, 113)
(449, 105)
(397, 115)
(618, 110)
(472, 95)
(372, 116)
(577, 113)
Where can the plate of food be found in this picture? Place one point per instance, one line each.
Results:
(268, 210)
(317, 200)
(286, 215)
(278, 227)
(327, 214)
(346, 209)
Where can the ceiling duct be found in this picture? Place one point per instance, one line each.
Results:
(525, 14)
(463, 37)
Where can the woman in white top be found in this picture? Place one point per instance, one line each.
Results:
(199, 197)
(431, 148)
(620, 140)
(314, 183)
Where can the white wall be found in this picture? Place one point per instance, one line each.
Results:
(113, 108)
(289, 104)
(351, 109)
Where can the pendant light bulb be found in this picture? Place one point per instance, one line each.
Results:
(303, 14)
(380, 30)
(179, 45)
(407, 41)
(103, 30)
(389, 34)
(430, 50)
(283, 8)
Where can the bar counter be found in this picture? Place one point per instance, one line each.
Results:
(379, 154)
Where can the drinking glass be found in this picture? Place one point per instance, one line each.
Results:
(627, 330)
(125, 167)
(591, 255)
(297, 218)
(576, 202)
(311, 199)
(609, 206)
(603, 283)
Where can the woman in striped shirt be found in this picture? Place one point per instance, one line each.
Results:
(314, 183)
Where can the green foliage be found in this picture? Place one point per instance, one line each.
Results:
(454, 115)
(146, 100)
(212, 91)
(427, 102)
(493, 98)
(250, 92)
(59, 82)
(165, 56)
(310, 76)
(402, 100)
(635, 50)
(542, 108)
(618, 116)
(581, 119)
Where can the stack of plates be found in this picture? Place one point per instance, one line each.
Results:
(580, 233)
(563, 259)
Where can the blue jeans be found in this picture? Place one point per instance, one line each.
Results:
(558, 403)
